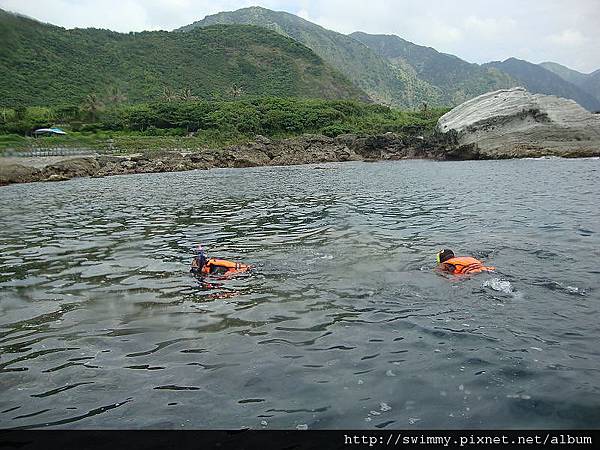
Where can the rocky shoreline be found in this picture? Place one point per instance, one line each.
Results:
(508, 123)
(262, 152)
(266, 152)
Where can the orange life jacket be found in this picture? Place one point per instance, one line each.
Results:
(463, 265)
(230, 267)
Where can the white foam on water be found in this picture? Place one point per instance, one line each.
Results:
(519, 396)
(542, 158)
(499, 285)
(575, 290)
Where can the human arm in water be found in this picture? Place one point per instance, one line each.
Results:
(446, 267)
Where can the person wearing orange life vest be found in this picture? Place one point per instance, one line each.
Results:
(202, 265)
(460, 265)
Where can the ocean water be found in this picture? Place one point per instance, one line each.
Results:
(343, 323)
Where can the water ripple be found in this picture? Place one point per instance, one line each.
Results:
(342, 323)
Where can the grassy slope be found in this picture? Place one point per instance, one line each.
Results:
(48, 65)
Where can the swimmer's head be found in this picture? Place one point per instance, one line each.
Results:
(444, 255)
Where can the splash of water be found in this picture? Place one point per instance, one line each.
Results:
(499, 285)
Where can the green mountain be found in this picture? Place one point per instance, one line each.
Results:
(570, 75)
(458, 80)
(43, 64)
(589, 82)
(592, 84)
(386, 83)
(537, 79)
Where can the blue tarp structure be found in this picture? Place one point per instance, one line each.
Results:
(49, 131)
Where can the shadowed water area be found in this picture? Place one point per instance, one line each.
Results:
(342, 324)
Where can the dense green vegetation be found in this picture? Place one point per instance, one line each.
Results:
(201, 124)
(208, 88)
(251, 52)
(456, 79)
(47, 65)
(384, 82)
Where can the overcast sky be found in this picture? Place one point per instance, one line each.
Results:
(564, 31)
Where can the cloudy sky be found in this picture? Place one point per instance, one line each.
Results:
(564, 31)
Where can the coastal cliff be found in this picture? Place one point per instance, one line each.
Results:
(511, 123)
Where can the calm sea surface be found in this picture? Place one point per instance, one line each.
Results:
(343, 323)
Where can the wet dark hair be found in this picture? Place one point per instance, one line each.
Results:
(445, 255)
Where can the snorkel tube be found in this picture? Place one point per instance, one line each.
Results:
(200, 259)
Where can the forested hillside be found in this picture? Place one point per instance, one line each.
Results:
(47, 65)
(384, 82)
(458, 80)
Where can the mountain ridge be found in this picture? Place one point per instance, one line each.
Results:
(385, 83)
(589, 82)
(50, 65)
(539, 80)
(398, 72)
(458, 79)
(305, 59)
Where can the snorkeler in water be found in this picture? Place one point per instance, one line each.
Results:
(203, 265)
(459, 265)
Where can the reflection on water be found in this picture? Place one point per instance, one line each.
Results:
(342, 324)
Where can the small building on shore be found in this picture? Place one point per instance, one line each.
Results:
(49, 132)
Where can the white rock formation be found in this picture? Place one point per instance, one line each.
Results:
(514, 122)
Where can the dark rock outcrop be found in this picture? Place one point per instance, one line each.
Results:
(306, 149)
(16, 173)
(70, 168)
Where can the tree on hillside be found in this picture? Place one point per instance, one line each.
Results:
(20, 112)
(169, 94)
(67, 113)
(114, 96)
(92, 105)
(236, 91)
(186, 95)
(5, 113)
